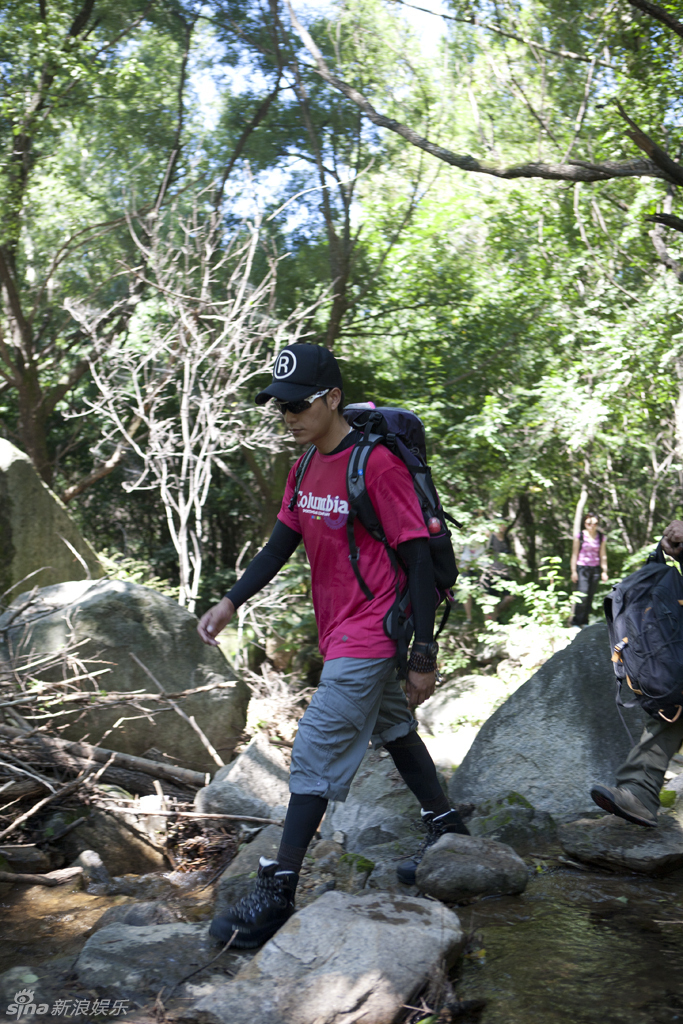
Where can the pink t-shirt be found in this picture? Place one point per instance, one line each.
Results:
(590, 549)
(349, 625)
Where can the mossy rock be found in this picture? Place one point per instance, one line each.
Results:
(513, 820)
(353, 872)
(511, 799)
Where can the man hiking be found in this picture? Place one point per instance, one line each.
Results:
(641, 777)
(359, 697)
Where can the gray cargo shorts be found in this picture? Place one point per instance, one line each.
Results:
(358, 700)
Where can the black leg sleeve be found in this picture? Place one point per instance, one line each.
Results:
(418, 771)
(304, 814)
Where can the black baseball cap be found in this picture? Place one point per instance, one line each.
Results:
(300, 371)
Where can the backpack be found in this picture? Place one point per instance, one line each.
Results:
(644, 615)
(403, 434)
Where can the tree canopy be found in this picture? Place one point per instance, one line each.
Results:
(484, 229)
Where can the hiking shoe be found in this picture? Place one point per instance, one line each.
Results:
(435, 828)
(259, 914)
(624, 804)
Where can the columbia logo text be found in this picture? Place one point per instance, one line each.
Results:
(323, 506)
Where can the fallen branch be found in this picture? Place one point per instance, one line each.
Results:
(187, 977)
(190, 721)
(51, 879)
(192, 814)
(65, 831)
(47, 783)
(184, 776)
(110, 697)
(64, 791)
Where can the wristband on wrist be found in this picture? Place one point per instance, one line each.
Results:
(423, 657)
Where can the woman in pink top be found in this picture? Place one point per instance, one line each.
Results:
(589, 557)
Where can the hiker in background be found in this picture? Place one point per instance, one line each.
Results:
(359, 697)
(589, 566)
(496, 572)
(641, 777)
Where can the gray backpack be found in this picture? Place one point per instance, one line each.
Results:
(644, 615)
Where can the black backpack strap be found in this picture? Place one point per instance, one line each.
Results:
(449, 600)
(361, 507)
(398, 626)
(303, 466)
(354, 553)
(450, 519)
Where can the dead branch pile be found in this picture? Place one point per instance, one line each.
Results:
(42, 693)
(39, 695)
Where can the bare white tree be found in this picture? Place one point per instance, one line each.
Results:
(177, 392)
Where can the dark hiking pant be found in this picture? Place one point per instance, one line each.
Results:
(589, 577)
(643, 770)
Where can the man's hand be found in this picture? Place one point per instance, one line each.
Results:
(672, 539)
(419, 687)
(213, 621)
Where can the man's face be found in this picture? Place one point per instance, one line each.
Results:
(316, 421)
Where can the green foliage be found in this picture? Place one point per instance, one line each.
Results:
(134, 570)
(546, 603)
(535, 326)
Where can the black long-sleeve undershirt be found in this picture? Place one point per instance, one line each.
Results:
(281, 545)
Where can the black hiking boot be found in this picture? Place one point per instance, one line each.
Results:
(435, 828)
(258, 915)
(623, 803)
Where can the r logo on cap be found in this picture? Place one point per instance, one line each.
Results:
(285, 365)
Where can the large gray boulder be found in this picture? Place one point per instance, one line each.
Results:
(116, 620)
(253, 784)
(137, 915)
(344, 958)
(121, 849)
(379, 808)
(555, 736)
(36, 531)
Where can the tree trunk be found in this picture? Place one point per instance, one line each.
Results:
(583, 498)
(678, 411)
(32, 423)
(528, 522)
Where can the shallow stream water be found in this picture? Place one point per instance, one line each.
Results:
(45, 928)
(578, 947)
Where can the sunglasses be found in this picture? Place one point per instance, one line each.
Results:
(301, 405)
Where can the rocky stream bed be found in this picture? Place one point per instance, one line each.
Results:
(114, 860)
